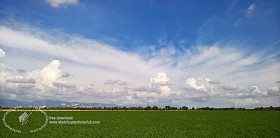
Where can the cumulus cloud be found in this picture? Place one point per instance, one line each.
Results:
(274, 89)
(200, 84)
(58, 3)
(165, 91)
(156, 91)
(251, 9)
(249, 92)
(2, 53)
(160, 79)
(35, 81)
(160, 82)
(254, 89)
(50, 73)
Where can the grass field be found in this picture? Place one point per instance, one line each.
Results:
(150, 124)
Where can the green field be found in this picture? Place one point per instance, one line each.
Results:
(150, 124)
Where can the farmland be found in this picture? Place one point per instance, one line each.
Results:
(149, 124)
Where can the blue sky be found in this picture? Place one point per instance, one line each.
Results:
(128, 24)
(165, 52)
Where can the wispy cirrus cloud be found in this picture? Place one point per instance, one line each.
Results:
(78, 50)
(59, 3)
(251, 9)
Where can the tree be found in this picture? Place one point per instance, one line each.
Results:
(185, 108)
(173, 108)
(154, 108)
(140, 108)
(124, 108)
(167, 107)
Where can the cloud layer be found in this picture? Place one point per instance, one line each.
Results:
(204, 75)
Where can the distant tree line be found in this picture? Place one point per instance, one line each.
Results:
(270, 108)
(153, 108)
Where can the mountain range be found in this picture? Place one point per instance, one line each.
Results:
(50, 103)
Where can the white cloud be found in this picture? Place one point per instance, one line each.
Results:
(274, 89)
(230, 64)
(200, 84)
(160, 79)
(247, 101)
(51, 73)
(63, 85)
(165, 91)
(161, 82)
(34, 82)
(82, 51)
(2, 53)
(251, 9)
(58, 3)
(254, 89)
(93, 62)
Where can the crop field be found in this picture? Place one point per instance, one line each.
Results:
(144, 124)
